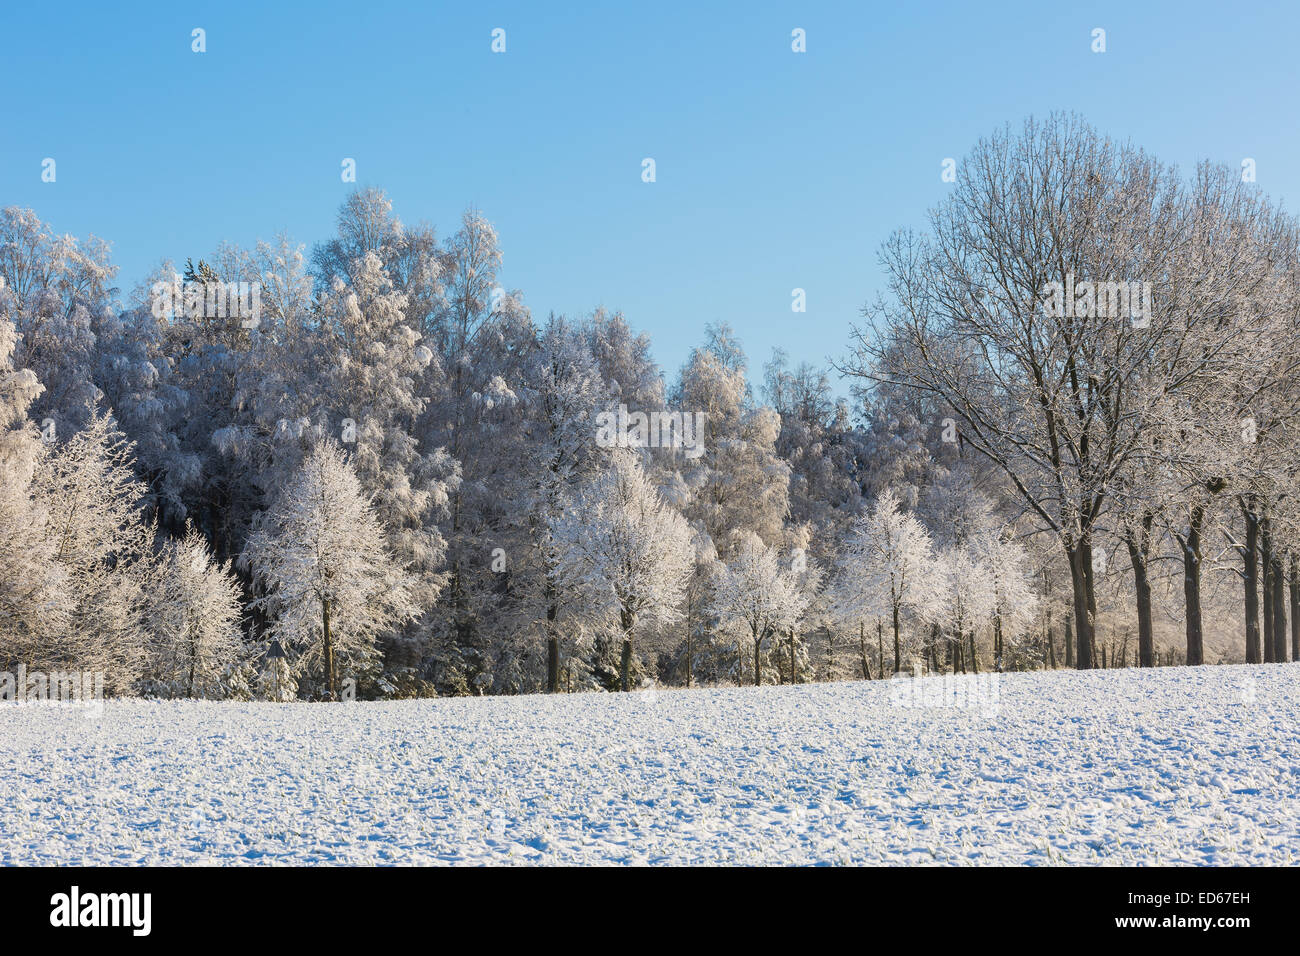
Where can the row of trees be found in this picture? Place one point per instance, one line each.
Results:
(1153, 427)
(394, 472)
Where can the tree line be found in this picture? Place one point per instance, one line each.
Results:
(1066, 437)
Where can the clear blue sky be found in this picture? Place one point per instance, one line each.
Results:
(775, 170)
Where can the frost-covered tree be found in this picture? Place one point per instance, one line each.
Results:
(1014, 601)
(628, 550)
(1057, 398)
(699, 586)
(481, 337)
(31, 584)
(331, 585)
(60, 289)
(374, 390)
(739, 483)
(759, 596)
(623, 357)
(561, 411)
(135, 376)
(818, 443)
(959, 598)
(194, 611)
(883, 566)
(102, 545)
(275, 681)
(810, 577)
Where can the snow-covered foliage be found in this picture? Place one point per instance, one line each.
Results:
(330, 584)
(1100, 490)
(883, 569)
(32, 605)
(194, 615)
(104, 550)
(627, 551)
(757, 595)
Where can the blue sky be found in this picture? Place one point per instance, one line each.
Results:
(775, 170)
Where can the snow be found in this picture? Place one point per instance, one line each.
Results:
(1177, 765)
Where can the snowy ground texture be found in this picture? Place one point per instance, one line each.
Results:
(1177, 765)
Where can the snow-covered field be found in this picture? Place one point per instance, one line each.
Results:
(1178, 765)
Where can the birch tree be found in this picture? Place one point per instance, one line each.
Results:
(758, 595)
(959, 600)
(194, 612)
(628, 550)
(1014, 603)
(331, 585)
(562, 406)
(104, 549)
(32, 592)
(881, 570)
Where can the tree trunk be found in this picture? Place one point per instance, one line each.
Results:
(1069, 642)
(1192, 587)
(688, 637)
(552, 641)
(898, 652)
(1090, 592)
(1250, 580)
(1295, 608)
(552, 664)
(1279, 608)
(629, 628)
(758, 661)
(974, 654)
(1266, 562)
(862, 650)
(1082, 621)
(1142, 586)
(329, 649)
(794, 662)
(625, 666)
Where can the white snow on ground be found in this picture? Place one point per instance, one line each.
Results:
(1177, 765)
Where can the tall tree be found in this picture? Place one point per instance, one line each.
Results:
(95, 503)
(1048, 279)
(32, 591)
(563, 400)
